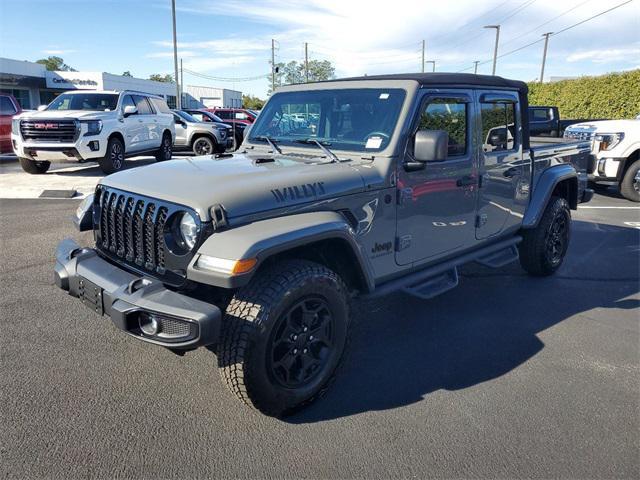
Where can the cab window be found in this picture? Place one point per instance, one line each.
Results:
(498, 126)
(449, 115)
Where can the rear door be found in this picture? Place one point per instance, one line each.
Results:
(148, 121)
(503, 188)
(436, 205)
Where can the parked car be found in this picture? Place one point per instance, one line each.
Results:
(235, 115)
(263, 251)
(9, 107)
(101, 126)
(616, 146)
(546, 122)
(202, 138)
(234, 128)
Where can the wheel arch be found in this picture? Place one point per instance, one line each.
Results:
(119, 136)
(196, 135)
(323, 237)
(561, 181)
(629, 160)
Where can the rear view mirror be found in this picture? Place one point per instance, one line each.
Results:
(130, 110)
(431, 146)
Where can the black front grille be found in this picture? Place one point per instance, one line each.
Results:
(56, 131)
(132, 229)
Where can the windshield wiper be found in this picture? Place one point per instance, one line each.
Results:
(270, 141)
(327, 152)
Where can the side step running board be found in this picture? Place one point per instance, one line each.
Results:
(439, 278)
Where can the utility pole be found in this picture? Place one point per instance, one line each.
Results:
(273, 66)
(544, 54)
(175, 54)
(475, 67)
(433, 65)
(306, 62)
(495, 48)
(422, 56)
(181, 83)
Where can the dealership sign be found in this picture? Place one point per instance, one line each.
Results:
(74, 80)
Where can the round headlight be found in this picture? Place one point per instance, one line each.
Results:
(188, 230)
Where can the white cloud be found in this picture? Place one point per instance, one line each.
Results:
(58, 51)
(622, 54)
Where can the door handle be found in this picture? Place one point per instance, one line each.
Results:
(466, 181)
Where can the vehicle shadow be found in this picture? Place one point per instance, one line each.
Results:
(404, 348)
(93, 169)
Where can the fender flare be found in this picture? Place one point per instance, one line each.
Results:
(265, 238)
(543, 190)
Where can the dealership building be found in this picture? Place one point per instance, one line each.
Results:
(33, 85)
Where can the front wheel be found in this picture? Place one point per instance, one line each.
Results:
(283, 336)
(543, 248)
(34, 167)
(203, 146)
(630, 184)
(113, 160)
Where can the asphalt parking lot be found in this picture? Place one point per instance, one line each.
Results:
(506, 376)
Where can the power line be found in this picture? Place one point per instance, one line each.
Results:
(226, 79)
(591, 18)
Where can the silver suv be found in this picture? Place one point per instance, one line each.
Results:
(202, 138)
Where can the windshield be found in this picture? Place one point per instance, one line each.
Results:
(97, 102)
(185, 116)
(360, 119)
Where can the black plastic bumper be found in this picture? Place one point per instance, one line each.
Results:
(108, 289)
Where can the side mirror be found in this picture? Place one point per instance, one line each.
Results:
(129, 110)
(42, 107)
(431, 146)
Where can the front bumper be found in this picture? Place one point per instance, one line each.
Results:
(607, 170)
(183, 322)
(84, 148)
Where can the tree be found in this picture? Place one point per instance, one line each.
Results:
(127, 74)
(55, 63)
(252, 103)
(156, 77)
(293, 72)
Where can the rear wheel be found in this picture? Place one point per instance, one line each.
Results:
(113, 160)
(166, 148)
(543, 248)
(203, 146)
(34, 167)
(630, 184)
(283, 336)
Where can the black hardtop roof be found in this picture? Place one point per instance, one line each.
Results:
(442, 78)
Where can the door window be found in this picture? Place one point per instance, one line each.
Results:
(451, 116)
(498, 126)
(127, 101)
(6, 106)
(143, 105)
(539, 115)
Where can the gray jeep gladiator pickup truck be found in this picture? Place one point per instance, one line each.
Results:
(390, 184)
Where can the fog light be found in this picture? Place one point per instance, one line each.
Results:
(94, 145)
(149, 324)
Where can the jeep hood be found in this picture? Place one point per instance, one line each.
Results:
(242, 184)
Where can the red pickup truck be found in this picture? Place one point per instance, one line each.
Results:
(8, 108)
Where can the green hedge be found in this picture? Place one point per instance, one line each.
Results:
(616, 95)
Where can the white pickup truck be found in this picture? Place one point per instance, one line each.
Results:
(102, 126)
(616, 148)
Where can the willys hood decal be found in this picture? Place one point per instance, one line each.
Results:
(242, 184)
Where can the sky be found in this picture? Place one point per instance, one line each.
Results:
(231, 39)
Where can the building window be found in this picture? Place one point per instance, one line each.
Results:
(46, 96)
(171, 101)
(22, 96)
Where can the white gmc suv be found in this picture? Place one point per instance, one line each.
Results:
(616, 149)
(102, 126)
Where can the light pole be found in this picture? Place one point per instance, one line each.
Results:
(495, 48)
(423, 46)
(175, 55)
(475, 66)
(544, 54)
(433, 63)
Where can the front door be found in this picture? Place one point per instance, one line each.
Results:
(501, 164)
(181, 130)
(436, 205)
(133, 127)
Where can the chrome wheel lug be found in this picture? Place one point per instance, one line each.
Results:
(304, 351)
(310, 337)
(305, 329)
(295, 351)
(294, 337)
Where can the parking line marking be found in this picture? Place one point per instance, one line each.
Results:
(620, 208)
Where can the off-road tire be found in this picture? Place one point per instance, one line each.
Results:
(543, 248)
(255, 316)
(204, 145)
(166, 148)
(630, 185)
(113, 159)
(34, 167)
